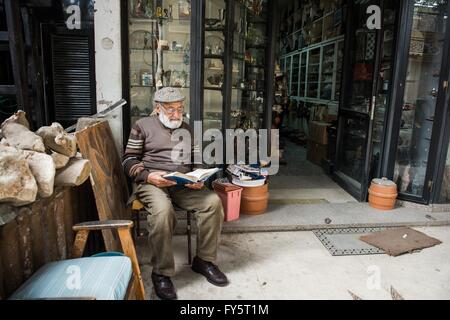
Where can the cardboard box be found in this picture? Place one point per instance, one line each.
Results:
(318, 132)
(316, 152)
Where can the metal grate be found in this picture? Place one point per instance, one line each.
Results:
(345, 241)
(72, 76)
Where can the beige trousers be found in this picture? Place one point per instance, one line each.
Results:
(161, 222)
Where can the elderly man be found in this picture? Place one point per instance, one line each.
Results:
(147, 158)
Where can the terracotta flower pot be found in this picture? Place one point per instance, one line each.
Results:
(254, 200)
(382, 194)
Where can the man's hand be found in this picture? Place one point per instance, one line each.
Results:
(156, 179)
(195, 186)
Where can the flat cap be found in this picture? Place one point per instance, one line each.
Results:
(168, 94)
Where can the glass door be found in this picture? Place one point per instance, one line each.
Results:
(364, 96)
(383, 87)
(421, 99)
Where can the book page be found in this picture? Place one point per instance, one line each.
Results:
(199, 174)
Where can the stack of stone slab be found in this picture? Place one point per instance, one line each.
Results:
(33, 163)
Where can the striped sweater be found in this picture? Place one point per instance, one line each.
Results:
(149, 148)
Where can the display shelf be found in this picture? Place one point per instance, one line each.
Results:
(214, 56)
(212, 88)
(212, 29)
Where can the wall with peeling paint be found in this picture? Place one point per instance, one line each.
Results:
(108, 65)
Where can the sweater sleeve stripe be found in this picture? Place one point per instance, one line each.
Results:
(132, 159)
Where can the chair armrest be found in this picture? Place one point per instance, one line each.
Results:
(103, 225)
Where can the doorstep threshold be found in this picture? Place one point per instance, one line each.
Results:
(245, 229)
(334, 215)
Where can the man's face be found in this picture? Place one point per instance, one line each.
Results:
(173, 110)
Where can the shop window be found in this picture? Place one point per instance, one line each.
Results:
(420, 96)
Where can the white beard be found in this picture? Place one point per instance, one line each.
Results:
(171, 124)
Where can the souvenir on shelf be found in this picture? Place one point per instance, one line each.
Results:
(214, 45)
(215, 80)
(141, 39)
(142, 8)
(184, 10)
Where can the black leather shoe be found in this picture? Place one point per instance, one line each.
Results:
(210, 271)
(164, 287)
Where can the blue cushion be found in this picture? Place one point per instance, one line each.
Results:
(104, 277)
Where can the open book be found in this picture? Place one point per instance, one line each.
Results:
(191, 177)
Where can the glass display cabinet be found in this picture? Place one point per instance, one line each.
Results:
(312, 86)
(215, 24)
(302, 80)
(314, 38)
(238, 84)
(229, 63)
(295, 75)
(247, 30)
(159, 51)
(327, 71)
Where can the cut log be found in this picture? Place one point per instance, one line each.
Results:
(19, 136)
(43, 169)
(56, 139)
(74, 174)
(17, 183)
(59, 159)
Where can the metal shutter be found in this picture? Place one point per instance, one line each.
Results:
(72, 74)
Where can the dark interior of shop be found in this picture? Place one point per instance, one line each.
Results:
(383, 124)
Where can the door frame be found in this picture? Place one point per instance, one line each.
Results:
(359, 193)
(443, 145)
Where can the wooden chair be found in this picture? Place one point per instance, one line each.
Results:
(123, 227)
(137, 206)
(112, 270)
